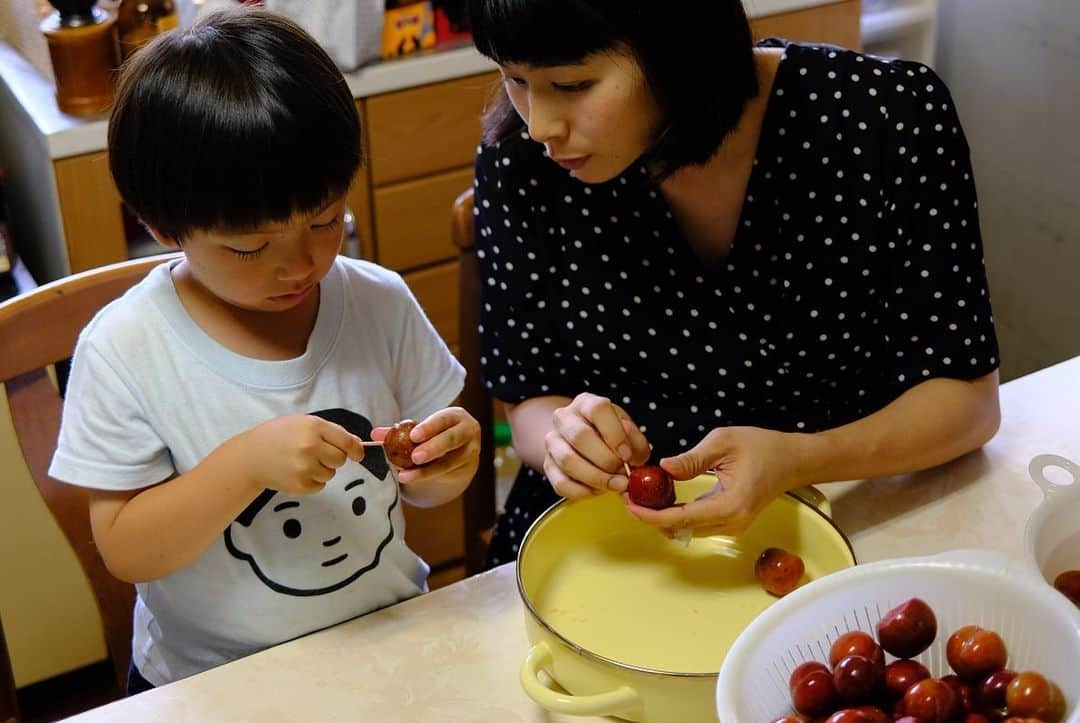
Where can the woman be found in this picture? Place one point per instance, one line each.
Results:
(759, 259)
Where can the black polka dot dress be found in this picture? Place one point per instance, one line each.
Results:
(856, 272)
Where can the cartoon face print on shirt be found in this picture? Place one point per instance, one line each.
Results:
(316, 544)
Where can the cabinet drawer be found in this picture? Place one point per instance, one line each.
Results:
(412, 219)
(425, 130)
(436, 534)
(437, 291)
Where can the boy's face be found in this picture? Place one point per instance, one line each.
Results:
(272, 268)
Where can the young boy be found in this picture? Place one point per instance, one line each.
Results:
(216, 410)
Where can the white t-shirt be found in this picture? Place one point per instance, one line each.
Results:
(151, 395)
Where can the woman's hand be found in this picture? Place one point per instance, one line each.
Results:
(752, 466)
(447, 452)
(591, 440)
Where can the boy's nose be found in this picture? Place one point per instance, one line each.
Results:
(297, 267)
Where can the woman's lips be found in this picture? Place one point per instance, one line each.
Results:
(572, 164)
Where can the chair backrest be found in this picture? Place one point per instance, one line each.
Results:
(9, 706)
(480, 496)
(39, 329)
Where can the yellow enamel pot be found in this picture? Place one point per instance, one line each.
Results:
(627, 623)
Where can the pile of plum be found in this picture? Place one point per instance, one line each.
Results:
(858, 687)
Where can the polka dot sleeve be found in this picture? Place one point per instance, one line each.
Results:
(938, 307)
(520, 352)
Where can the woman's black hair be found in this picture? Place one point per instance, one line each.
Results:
(240, 120)
(697, 58)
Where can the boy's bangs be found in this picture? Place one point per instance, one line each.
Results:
(216, 135)
(540, 33)
(241, 175)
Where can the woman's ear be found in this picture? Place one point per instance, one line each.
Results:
(166, 241)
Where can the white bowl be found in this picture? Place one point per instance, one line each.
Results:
(1052, 536)
(1040, 627)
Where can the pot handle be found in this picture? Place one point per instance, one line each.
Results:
(608, 703)
(1038, 466)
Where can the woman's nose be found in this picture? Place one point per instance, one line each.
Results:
(544, 123)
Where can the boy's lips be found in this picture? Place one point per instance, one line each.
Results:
(294, 295)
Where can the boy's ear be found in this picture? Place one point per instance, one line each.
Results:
(166, 241)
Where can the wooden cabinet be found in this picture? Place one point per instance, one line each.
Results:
(420, 131)
(836, 23)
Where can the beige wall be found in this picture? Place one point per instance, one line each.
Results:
(50, 618)
(1012, 68)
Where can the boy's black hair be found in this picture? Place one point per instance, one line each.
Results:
(697, 58)
(238, 121)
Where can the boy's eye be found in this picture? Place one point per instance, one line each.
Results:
(248, 254)
(513, 79)
(573, 87)
(332, 223)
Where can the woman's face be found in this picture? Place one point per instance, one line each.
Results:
(594, 118)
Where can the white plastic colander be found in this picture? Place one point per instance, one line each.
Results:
(1040, 627)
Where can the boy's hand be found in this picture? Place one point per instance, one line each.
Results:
(448, 448)
(297, 454)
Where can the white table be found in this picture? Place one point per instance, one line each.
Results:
(453, 655)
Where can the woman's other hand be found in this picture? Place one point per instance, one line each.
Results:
(752, 466)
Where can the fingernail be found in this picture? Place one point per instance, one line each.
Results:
(419, 457)
(624, 452)
(618, 484)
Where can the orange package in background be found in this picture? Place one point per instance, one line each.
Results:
(407, 28)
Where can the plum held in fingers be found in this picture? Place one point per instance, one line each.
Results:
(779, 571)
(907, 629)
(651, 486)
(398, 445)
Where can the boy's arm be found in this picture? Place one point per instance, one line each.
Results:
(149, 533)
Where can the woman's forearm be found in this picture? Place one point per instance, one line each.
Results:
(530, 421)
(928, 425)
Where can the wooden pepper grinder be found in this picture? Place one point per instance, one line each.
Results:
(84, 51)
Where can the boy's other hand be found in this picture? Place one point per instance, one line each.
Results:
(448, 445)
(298, 454)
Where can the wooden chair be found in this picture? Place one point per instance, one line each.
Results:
(9, 706)
(39, 329)
(480, 496)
